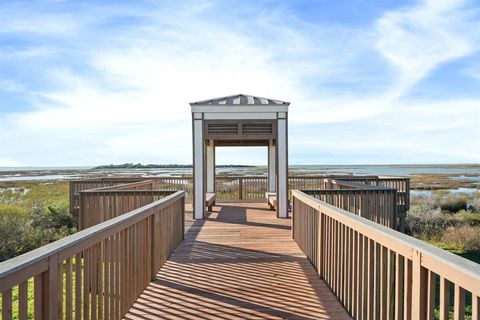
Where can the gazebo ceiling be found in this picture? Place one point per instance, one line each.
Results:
(240, 99)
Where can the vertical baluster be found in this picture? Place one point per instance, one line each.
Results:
(459, 305)
(38, 296)
(86, 283)
(383, 281)
(419, 287)
(444, 298)
(475, 307)
(23, 300)
(100, 279)
(78, 286)
(7, 304)
(390, 284)
(359, 277)
(68, 289)
(407, 289)
(377, 279)
(431, 296)
(107, 277)
(370, 282)
(399, 285)
(93, 281)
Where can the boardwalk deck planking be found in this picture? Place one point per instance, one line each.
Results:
(239, 263)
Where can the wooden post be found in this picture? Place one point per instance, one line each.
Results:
(50, 289)
(282, 169)
(210, 166)
(198, 167)
(419, 287)
(240, 188)
(320, 244)
(459, 303)
(153, 247)
(272, 181)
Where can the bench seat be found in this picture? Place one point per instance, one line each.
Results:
(271, 199)
(210, 200)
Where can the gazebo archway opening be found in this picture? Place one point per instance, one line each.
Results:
(239, 121)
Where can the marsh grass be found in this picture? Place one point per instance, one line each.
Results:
(34, 218)
(450, 221)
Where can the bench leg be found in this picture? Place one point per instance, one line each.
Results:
(210, 207)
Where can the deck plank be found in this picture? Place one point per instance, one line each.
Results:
(239, 263)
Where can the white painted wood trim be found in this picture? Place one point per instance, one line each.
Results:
(282, 192)
(272, 173)
(240, 108)
(240, 115)
(210, 167)
(198, 154)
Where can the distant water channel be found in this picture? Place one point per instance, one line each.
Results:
(427, 193)
(62, 173)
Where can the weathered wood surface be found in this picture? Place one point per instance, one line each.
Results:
(96, 273)
(239, 263)
(379, 273)
(245, 187)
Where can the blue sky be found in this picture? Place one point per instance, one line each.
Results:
(95, 82)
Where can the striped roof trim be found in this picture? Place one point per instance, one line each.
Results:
(240, 99)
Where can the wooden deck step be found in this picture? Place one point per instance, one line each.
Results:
(239, 263)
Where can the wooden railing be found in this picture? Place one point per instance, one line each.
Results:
(250, 187)
(75, 186)
(98, 272)
(401, 184)
(379, 273)
(377, 204)
(99, 205)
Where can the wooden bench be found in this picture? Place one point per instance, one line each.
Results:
(271, 199)
(210, 200)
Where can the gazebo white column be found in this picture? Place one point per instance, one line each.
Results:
(198, 165)
(210, 167)
(282, 166)
(272, 172)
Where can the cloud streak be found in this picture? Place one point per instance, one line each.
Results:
(113, 84)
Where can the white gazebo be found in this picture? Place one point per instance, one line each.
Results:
(239, 121)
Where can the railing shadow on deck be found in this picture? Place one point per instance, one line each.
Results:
(205, 276)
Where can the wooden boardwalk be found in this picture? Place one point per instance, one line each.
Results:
(239, 263)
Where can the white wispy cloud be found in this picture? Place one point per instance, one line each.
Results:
(417, 40)
(121, 94)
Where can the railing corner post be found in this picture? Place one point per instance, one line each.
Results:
(183, 215)
(240, 188)
(50, 289)
(154, 250)
(320, 244)
(293, 216)
(419, 287)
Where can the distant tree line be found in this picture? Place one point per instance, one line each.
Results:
(154, 166)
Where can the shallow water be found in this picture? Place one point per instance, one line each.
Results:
(59, 173)
(426, 193)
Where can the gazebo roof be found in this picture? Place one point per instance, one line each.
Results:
(240, 99)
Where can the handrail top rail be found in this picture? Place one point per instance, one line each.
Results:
(127, 191)
(357, 186)
(104, 229)
(375, 177)
(349, 190)
(379, 232)
(122, 185)
(188, 176)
